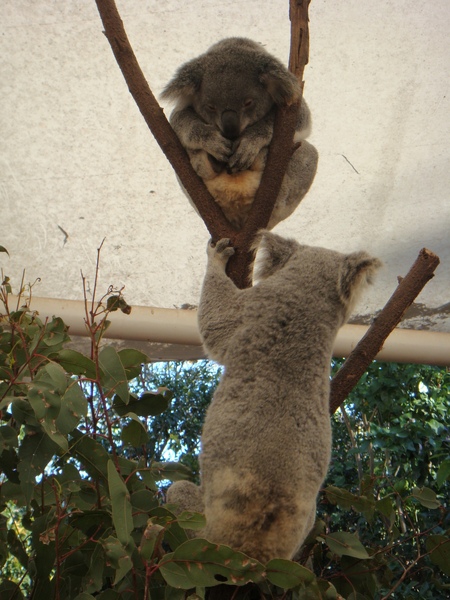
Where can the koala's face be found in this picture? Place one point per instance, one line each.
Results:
(231, 100)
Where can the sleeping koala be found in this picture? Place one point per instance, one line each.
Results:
(224, 115)
(266, 440)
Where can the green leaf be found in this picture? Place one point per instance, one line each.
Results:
(57, 405)
(134, 433)
(287, 574)
(343, 543)
(132, 360)
(198, 562)
(439, 548)
(149, 404)
(35, 452)
(443, 473)
(76, 363)
(114, 378)
(151, 539)
(118, 556)
(347, 500)
(170, 470)
(73, 408)
(55, 334)
(8, 438)
(84, 596)
(174, 535)
(384, 506)
(426, 497)
(90, 453)
(121, 505)
(191, 520)
(143, 500)
(94, 577)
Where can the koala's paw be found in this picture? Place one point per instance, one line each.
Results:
(244, 155)
(217, 145)
(221, 251)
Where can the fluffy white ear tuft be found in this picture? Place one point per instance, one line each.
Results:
(357, 271)
(273, 252)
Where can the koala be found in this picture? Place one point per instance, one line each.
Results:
(266, 439)
(224, 115)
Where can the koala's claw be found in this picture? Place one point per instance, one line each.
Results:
(219, 147)
(243, 158)
(221, 250)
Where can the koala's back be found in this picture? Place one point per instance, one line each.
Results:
(267, 435)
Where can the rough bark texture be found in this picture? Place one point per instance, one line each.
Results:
(369, 346)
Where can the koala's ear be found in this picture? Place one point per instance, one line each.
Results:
(273, 253)
(357, 270)
(282, 85)
(186, 81)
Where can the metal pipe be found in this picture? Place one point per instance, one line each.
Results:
(179, 326)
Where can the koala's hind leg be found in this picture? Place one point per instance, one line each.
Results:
(220, 309)
(298, 179)
(186, 495)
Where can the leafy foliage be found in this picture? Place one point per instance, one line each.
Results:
(84, 442)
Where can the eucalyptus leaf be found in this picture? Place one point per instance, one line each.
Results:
(118, 556)
(121, 505)
(287, 574)
(191, 520)
(76, 363)
(90, 453)
(114, 378)
(343, 543)
(443, 473)
(170, 470)
(149, 404)
(439, 548)
(132, 361)
(198, 562)
(426, 497)
(35, 452)
(134, 434)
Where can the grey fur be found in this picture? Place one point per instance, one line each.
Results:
(266, 440)
(224, 114)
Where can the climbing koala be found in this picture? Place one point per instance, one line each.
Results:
(266, 439)
(224, 115)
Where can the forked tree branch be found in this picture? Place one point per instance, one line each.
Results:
(368, 347)
(278, 158)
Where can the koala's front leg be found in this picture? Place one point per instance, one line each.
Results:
(195, 134)
(247, 147)
(220, 309)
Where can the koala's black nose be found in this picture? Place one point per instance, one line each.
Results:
(230, 124)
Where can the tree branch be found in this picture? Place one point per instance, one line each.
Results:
(368, 347)
(280, 152)
(279, 155)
